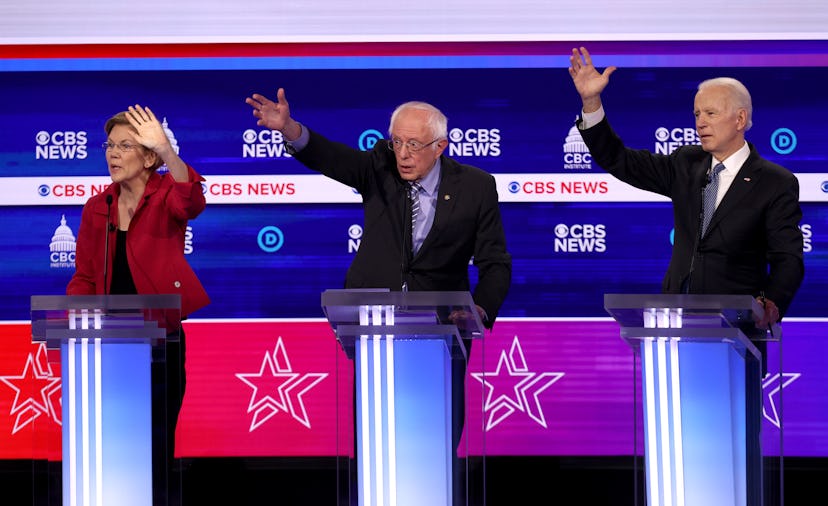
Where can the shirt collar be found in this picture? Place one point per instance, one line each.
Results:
(430, 182)
(735, 161)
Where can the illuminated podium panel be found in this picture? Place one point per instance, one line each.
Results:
(111, 452)
(701, 394)
(405, 346)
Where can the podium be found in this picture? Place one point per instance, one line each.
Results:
(113, 445)
(702, 404)
(406, 347)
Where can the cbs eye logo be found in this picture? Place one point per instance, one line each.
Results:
(355, 232)
(249, 136)
(42, 138)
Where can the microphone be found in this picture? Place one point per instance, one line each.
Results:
(685, 286)
(109, 228)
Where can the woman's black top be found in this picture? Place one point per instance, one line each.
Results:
(121, 276)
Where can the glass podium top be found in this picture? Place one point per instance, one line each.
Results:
(406, 312)
(122, 318)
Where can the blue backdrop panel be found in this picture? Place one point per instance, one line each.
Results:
(564, 256)
(508, 120)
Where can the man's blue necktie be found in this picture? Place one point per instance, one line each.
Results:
(710, 192)
(414, 195)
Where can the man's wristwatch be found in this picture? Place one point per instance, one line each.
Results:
(289, 149)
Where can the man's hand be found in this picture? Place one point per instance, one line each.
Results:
(464, 319)
(588, 81)
(275, 115)
(771, 315)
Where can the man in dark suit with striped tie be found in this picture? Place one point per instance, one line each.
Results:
(752, 244)
(736, 215)
(427, 216)
(459, 218)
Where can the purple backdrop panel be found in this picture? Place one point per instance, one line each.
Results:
(552, 388)
(562, 387)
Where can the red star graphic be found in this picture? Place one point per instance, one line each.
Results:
(274, 386)
(35, 390)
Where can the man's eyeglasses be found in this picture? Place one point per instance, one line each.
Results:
(123, 147)
(412, 145)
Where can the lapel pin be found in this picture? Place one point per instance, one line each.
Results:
(747, 180)
(446, 197)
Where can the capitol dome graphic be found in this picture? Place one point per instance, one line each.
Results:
(574, 142)
(576, 154)
(173, 141)
(170, 135)
(62, 247)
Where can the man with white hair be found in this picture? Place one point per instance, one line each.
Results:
(750, 243)
(427, 217)
(736, 215)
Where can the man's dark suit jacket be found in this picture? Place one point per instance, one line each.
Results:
(467, 224)
(753, 243)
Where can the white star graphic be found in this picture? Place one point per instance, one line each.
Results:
(276, 387)
(772, 385)
(36, 377)
(516, 384)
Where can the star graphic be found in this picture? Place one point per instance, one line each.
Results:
(45, 388)
(772, 385)
(277, 388)
(512, 387)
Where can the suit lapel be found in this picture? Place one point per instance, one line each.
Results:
(397, 206)
(697, 183)
(447, 193)
(745, 181)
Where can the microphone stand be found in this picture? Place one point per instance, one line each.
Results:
(106, 242)
(688, 280)
(406, 238)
